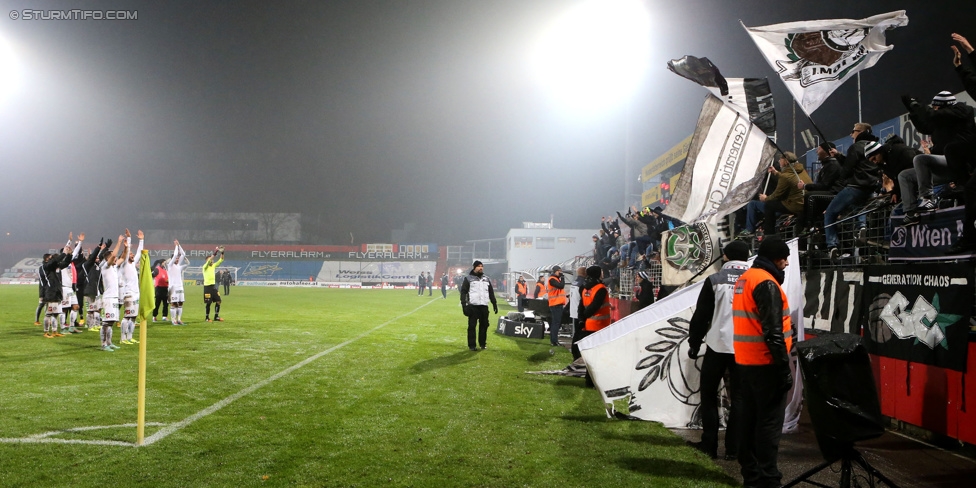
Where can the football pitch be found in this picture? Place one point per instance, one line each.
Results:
(315, 387)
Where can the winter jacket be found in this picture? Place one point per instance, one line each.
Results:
(712, 320)
(858, 171)
(828, 178)
(786, 190)
(477, 290)
(947, 125)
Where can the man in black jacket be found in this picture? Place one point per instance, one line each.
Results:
(827, 183)
(949, 123)
(861, 179)
(53, 264)
(476, 294)
(764, 336)
(962, 156)
(712, 324)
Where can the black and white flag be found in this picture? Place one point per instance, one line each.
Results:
(749, 96)
(725, 167)
(815, 57)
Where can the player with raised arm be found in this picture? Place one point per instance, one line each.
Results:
(130, 288)
(69, 299)
(110, 294)
(177, 264)
(92, 291)
(53, 264)
(210, 294)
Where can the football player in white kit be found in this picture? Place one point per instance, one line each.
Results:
(177, 264)
(110, 295)
(130, 288)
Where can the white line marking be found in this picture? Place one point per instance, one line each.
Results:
(171, 428)
(46, 438)
(161, 434)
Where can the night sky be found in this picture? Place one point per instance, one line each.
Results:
(370, 115)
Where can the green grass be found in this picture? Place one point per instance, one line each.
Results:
(402, 402)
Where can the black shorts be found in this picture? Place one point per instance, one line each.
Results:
(210, 294)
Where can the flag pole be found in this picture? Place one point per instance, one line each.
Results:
(141, 397)
(147, 293)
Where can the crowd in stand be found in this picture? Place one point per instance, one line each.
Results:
(914, 180)
(633, 248)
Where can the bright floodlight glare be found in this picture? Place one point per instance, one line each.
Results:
(595, 54)
(8, 70)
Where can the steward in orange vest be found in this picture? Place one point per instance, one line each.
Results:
(521, 290)
(762, 341)
(556, 289)
(594, 309)
(540, 289)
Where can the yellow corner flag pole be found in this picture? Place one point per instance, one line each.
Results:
(141, 416)
(147, 297)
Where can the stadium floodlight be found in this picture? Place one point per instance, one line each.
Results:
(595, 54)
(9, 70)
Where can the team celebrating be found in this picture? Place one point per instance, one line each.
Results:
(107, 280)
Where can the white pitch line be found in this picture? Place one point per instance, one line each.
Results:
(171, 428)
(46, 438)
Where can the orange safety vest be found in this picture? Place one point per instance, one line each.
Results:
(520, 288)
(540, 289)
(601, 318)
(557, 296)
(750, 347)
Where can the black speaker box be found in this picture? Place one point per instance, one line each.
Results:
(840, 392)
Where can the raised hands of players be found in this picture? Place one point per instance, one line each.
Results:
(139, 234)
(962, 42)
(127, 234)
(81, 237)
(956, 56)
(176, 242)
(71, 235)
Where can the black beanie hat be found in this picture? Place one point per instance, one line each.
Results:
(593, 272)
(737, 251)
(476, 264)
(774, 248)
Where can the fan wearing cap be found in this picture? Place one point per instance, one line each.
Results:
(476, 293)
(861, 179)
(645, 296)
(763, 339)
(712, 324)
(950, 124)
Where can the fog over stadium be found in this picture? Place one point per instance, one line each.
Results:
(448, 117)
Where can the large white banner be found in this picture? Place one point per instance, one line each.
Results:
(376, 271)
(725, 167)
(644, 357)
(815, 57)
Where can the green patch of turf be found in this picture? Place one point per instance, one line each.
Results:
(394, 398)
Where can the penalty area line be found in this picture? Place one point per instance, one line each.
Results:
(171, 428)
